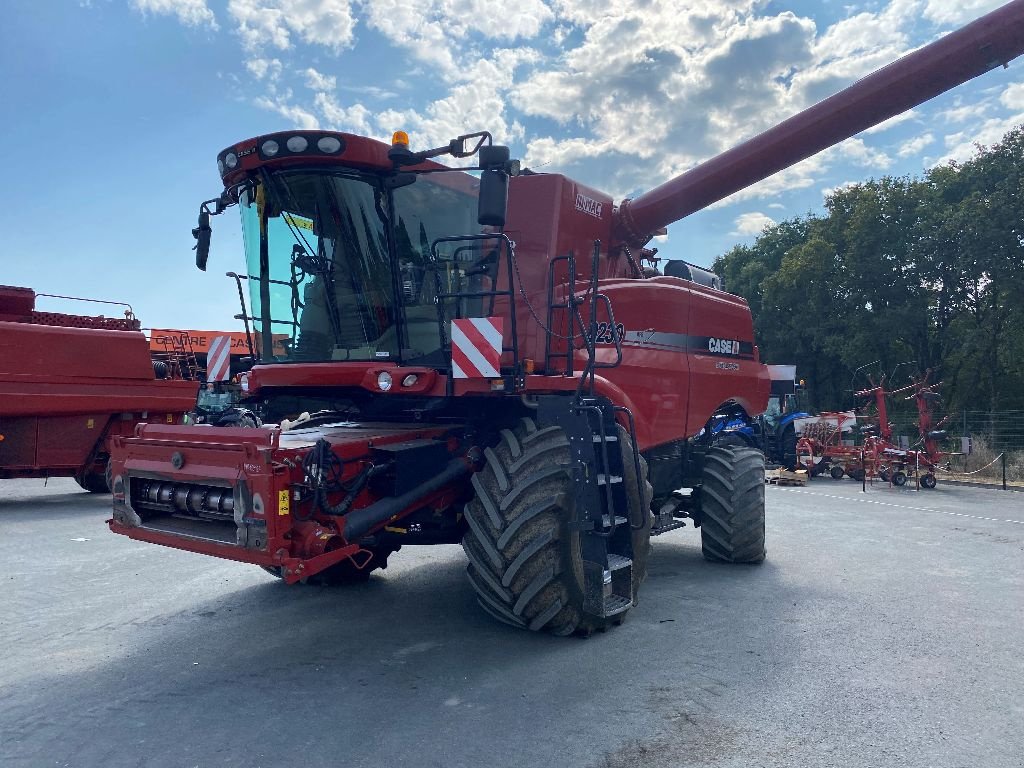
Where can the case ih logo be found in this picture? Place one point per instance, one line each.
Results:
(588, 205)
(724, 346)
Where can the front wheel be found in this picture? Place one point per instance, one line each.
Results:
(93, 481)
(928, 480)
(525, 558)
(732, 506)
(899, 479)
(836, 472)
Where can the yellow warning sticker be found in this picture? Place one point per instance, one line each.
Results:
(298, 221)
(90, 424)
(283, 503)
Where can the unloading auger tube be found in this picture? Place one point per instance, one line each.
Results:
(993, 40)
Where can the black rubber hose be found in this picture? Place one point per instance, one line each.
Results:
(360, 521)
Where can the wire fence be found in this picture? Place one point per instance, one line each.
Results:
(976, 444)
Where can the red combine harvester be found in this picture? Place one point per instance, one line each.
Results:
(69, 384)
(483, 358)
(820, 448)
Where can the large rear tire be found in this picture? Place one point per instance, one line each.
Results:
(732, 506)
(524, 559)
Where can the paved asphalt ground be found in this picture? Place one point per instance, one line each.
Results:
(885, 629)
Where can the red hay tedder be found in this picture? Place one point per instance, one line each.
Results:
(70, 383)
(821, 450)
(484, 358)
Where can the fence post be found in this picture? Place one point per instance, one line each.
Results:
(1004, 470)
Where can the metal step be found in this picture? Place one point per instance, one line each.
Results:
(603, 479)
(607, 439)
(617, 562)
(666, 528)
(616, 604)
(619, 520)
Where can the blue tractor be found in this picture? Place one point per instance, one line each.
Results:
(774, 433)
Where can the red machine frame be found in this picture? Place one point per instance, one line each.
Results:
(70, 384)
(878, 457)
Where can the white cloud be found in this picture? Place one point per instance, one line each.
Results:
(264, 68)
(856, 151)
(958, 11)
(752, 223)
(654, 91)
(282, 105)
(827, 192)
(965, 112)
(892, 122)
(1013, 96)
(963, 145)
(915, 145)
(317, 81)
(354, 119)
(477, 104)
(273, 22)
(193, 13)
(433, 31)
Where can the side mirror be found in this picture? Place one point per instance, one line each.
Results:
(202, 235)
(493, 202)
(494, 160)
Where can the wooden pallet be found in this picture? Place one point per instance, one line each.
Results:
(785, 477)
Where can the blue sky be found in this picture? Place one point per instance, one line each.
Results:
(114, 111)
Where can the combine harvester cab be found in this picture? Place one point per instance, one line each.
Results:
(486, 358)
(69, 384)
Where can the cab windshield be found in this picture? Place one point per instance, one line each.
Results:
(340, 266)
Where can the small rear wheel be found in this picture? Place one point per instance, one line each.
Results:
(836, 472)
(883, 475)
(899, 479)
(732, 506)
(928, 480)
(857, 473)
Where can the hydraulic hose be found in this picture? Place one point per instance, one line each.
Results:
(359, 522)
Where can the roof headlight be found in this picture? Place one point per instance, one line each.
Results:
(231, 160)
(384, 381)
(328, 145)
(220, 167)
(243, 382)
(270, 148)
(297, 144)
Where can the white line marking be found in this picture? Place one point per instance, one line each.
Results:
(902, 506)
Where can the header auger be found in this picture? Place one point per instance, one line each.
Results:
(482, 358)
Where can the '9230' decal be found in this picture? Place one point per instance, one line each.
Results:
(606, 333)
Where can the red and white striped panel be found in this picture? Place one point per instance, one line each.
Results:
(476, 347)
(218, 359)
